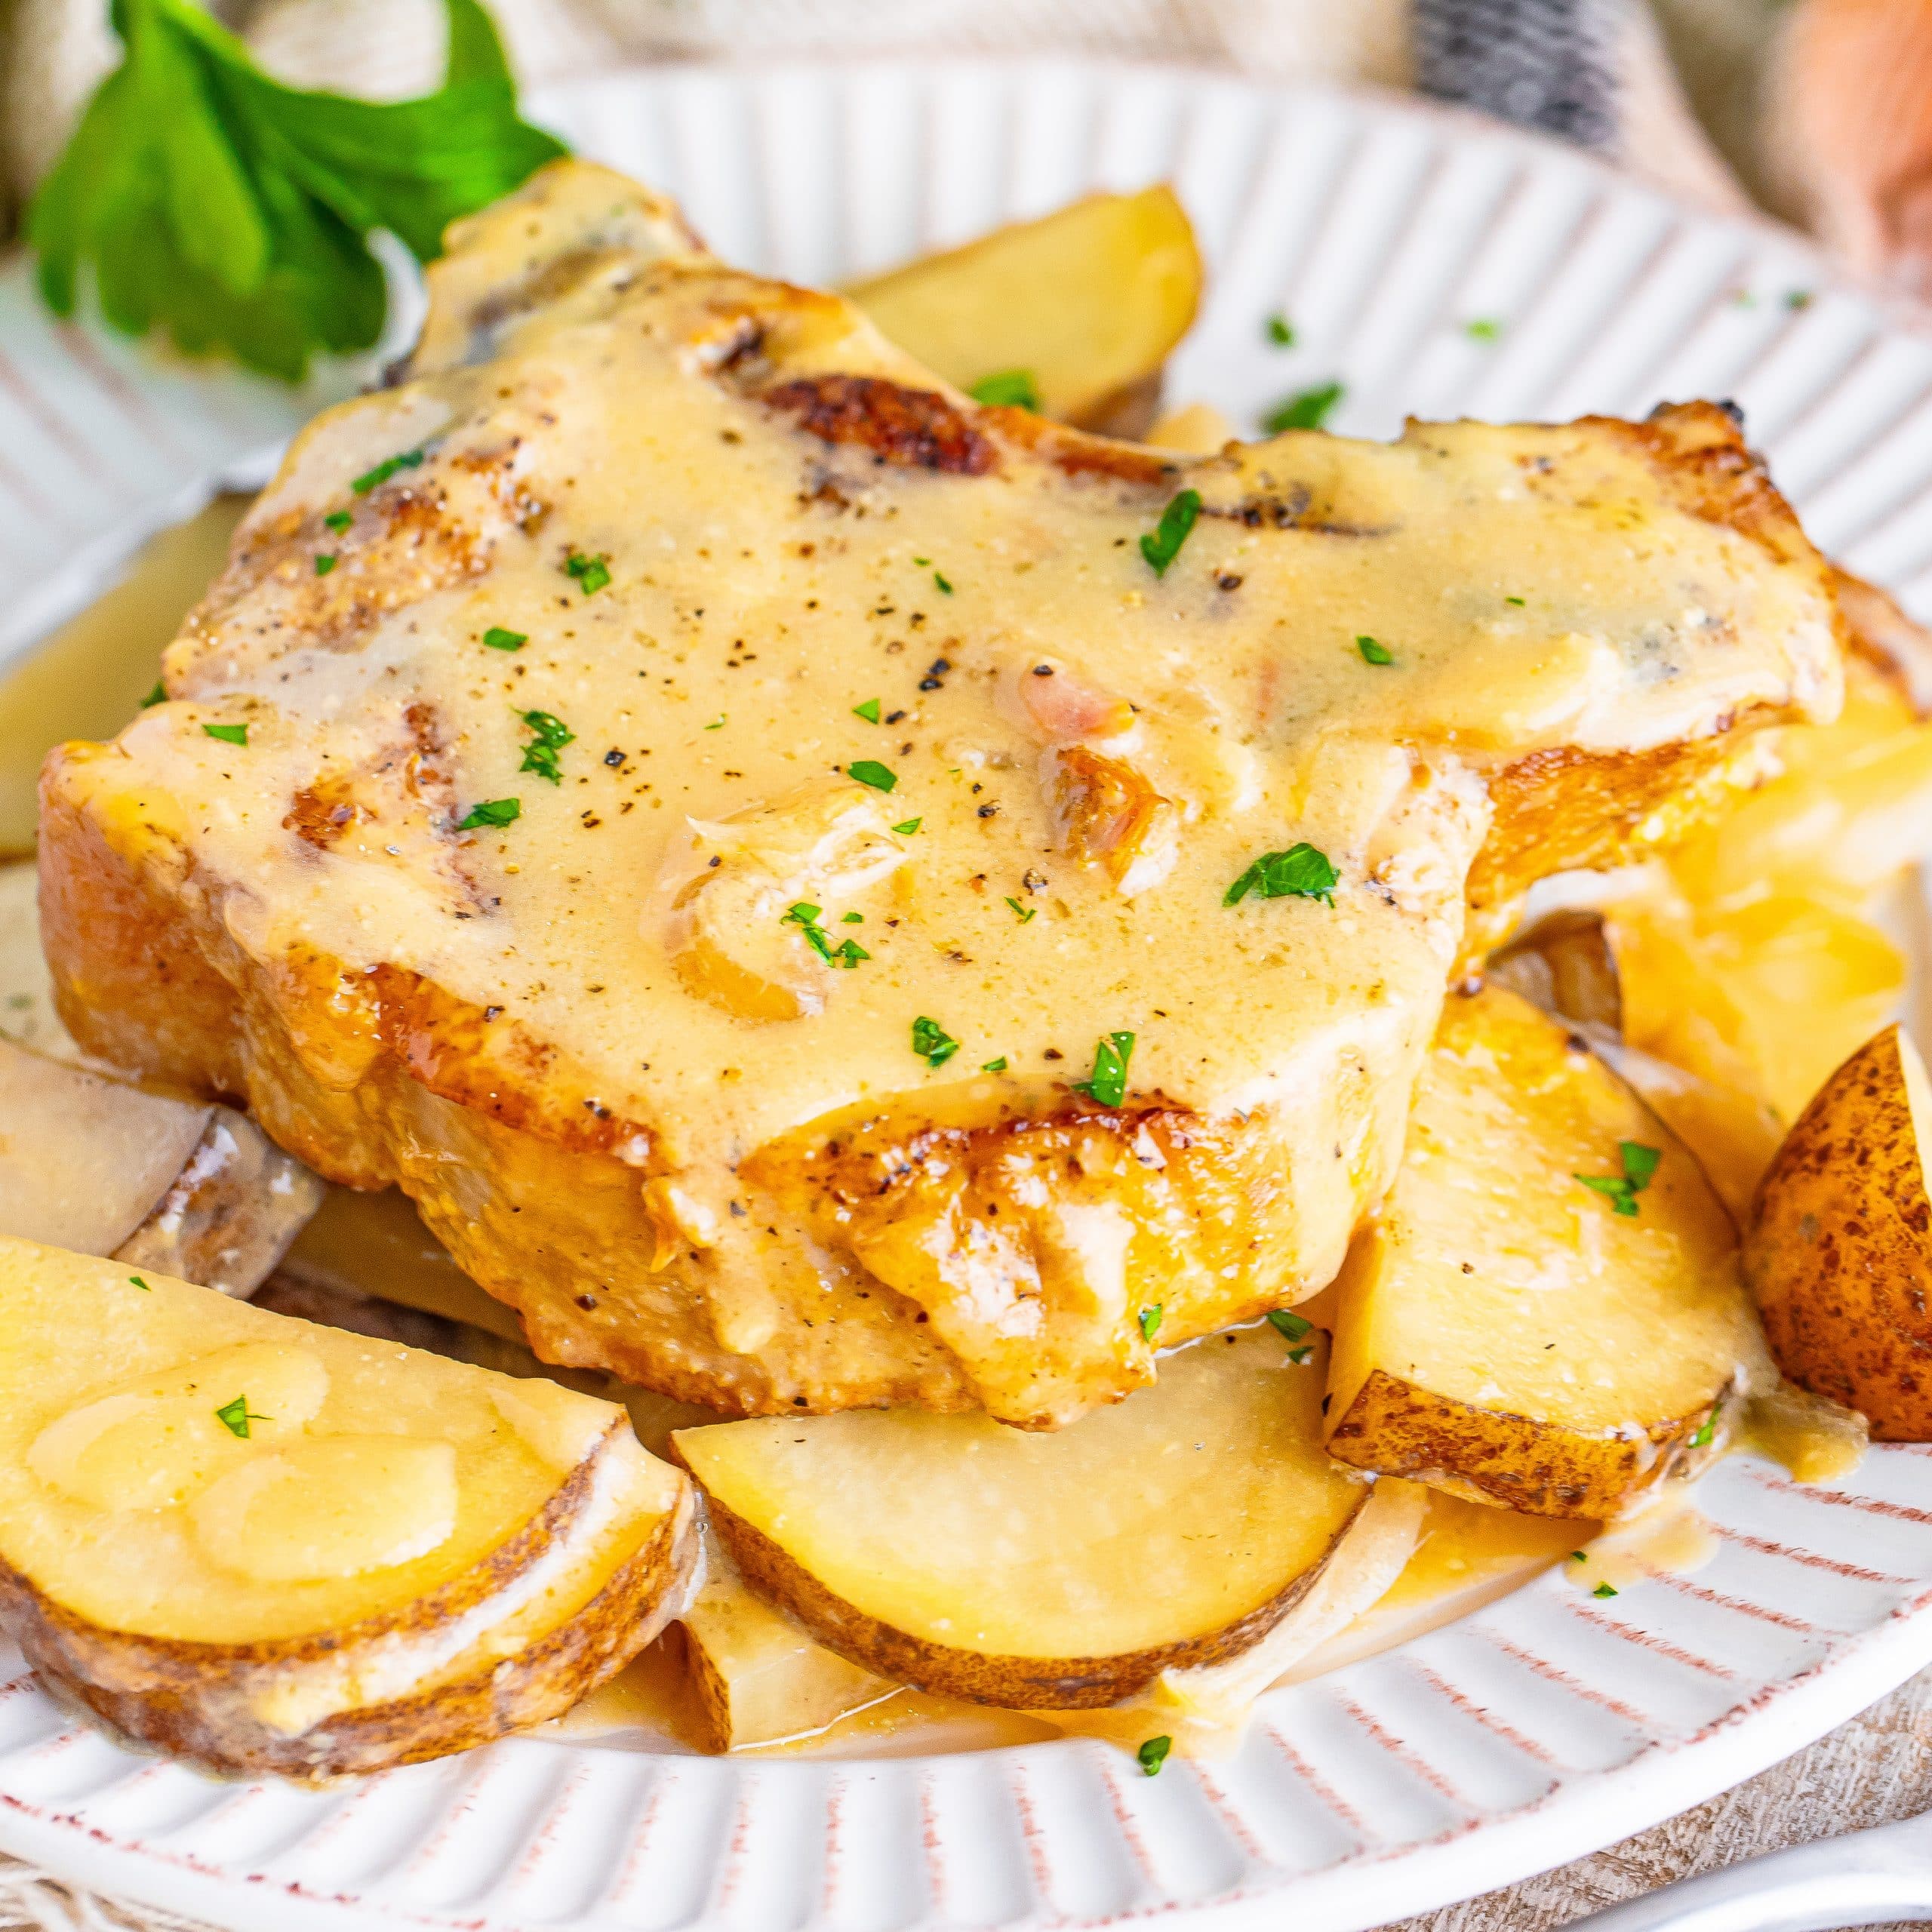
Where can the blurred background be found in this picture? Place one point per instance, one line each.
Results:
(1819, 112)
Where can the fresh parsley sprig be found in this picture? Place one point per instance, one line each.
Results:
(234, 213)
(1639, 1163)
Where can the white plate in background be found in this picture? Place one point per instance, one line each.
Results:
(1533, 1731)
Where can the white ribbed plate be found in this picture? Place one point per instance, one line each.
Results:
(1532, 1731)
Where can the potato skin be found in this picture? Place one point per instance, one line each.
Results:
(1838, 1252)
(1538, 1468)
(193, 1701)
(1049, 1683)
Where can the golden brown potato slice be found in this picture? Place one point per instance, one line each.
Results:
(263, 1545)
(1061, 1570)
(758, 1676)
(1838, 1251)
(1546, 1314)
(1086, 303)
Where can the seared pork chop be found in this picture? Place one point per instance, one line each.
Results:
(750, 840)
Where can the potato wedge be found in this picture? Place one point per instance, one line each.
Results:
(1049, 1571)
(1087, 301)
(758, 1676)
(1509, 1331)
(178, 1186)
(263, 1545)
(1838, 1251)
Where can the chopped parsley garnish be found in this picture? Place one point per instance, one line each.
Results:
(1308, 410)
(939, 578)
(157, 696)
(1604, 1590)
(1022, 913)
(717, 724)
(338, 521)
(1161, 545)
(869, 771)
(552, 735)
(1300, 1356)
(229, 734)
(498, 638)
(932, 1042)
(1009, 388)
(869, 711)
(1706, 1430)
(231, 211)
(1106, 1086)
(1483, 328)
(141, 1285)
(324, 564)
(1153, 1753)
(1373, 652)
(1798, 298)
(852, 919)
(1150, 1320)
(1578, 1556)
(994, 1066)
(1516, 601)
(235, 1416)
(906, 827)
(1300, 872)
(806, 919)
(1294, 1326)
(1639, 1163)
(1279, 330)
(372, 479)
(491, 812)
(591, 574)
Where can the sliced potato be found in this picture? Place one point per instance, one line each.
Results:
(758, 1676)
(91, 1164)
(264, 1545)
(1838, 1252)
(1087, 302)
(1061, 1570)
(1506, 1331)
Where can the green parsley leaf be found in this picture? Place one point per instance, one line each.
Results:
(1024, 914)
(1010, 389)
(1483, 328)
(1300, 872)
(491, 812)
(939, 577)
(324, 564)
(1162, 545)
(1578, 1556)
(1150, 1320)
(498, 638)
(1614, 1188)
(157, 696)
(1279, 330)
(229, 734)
(869, 711)
(994, 1066)
(1106, 1086)
(1516, 601)
(1299, 1356)
(1153, 1753)
(806, 919)
(1604, 1590)
(907, 827)
(922, 562)
(717, 724)
(233, 212)
(1294, 1326)
(1373, 652)
(141, 1285)
(338, 521)
(552, 734)
(932, 1042)
(1798, 298)
(1707, 1431)
(1639, 1163)
(371, 479)
(235, 1416)
(1308, 410)
(852, 919)
(869, 771)
(591, 574)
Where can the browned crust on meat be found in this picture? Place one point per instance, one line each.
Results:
(906, 428)
(1076, 453)
(1879, 633)
(1538, 1469)
(193, 1700)
(1061, 1683)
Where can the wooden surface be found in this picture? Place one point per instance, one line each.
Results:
(1873, 1769)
